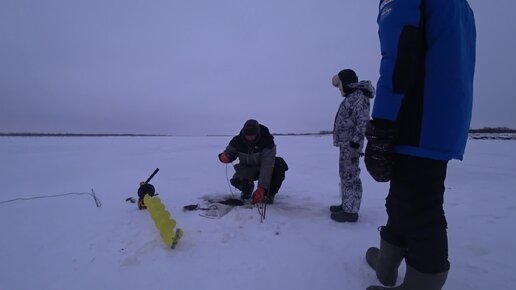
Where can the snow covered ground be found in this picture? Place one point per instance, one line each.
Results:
(68, 243)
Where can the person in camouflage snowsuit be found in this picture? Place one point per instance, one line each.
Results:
(348, 134)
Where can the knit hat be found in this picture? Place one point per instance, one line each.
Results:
(347, 76)
(251, 127)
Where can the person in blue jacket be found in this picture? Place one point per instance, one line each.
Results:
(420, 121)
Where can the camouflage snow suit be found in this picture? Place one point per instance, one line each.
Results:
(349, 127)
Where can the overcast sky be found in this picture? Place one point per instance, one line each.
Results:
(204, 67)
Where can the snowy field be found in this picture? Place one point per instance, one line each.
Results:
(68, 243)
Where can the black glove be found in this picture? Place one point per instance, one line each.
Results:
(354, 151)
(381, 136)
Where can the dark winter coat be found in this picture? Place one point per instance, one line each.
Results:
(255, 158)
(426, 75)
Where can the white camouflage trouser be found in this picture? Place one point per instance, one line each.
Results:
(350, 183)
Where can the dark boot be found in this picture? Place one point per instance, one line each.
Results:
(336, 208)
(385, 261)
(245, 185)
(343, 217)
(245, 195)
(247, 189)
(415, 280)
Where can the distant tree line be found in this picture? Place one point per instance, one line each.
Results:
(303, 134)
(493, 130)
(75, 135)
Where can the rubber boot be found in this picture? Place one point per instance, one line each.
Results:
(336, 208)
(415, 280)
(245, 185)
(344, 217)
(385, 261)
(247, 189)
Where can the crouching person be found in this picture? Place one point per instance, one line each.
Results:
(255, 148)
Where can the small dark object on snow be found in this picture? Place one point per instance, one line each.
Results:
(232, 201)
(191, 207)
(213, 204)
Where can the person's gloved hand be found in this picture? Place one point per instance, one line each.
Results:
(258, 195)
(224, 158)
(381, 137)
(354, 153)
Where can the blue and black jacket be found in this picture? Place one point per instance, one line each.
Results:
(426, 75)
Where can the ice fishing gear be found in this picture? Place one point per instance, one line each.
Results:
(163, 221)
(192, 207)
(229, 201)
(262, 209)
(133, 200)
(215, 208)
(92, 194)
(146, 189)
(229, 183)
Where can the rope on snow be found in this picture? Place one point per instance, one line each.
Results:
(92, 193)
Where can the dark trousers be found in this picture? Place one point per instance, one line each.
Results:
(416, 215)
(278, 175)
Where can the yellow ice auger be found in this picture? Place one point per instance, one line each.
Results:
(165, 224)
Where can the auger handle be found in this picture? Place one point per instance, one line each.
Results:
(152, 175)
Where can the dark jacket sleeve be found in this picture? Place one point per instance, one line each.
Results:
(231, 151)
